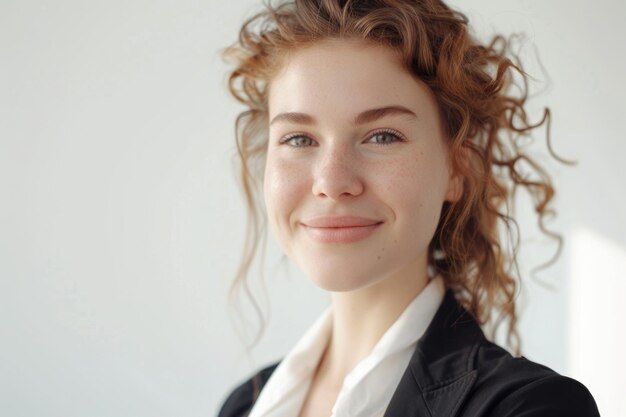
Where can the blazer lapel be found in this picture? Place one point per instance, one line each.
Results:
(441, 371)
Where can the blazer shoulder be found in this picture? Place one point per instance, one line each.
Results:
(520, 387)
(241, 399)
(554, 395)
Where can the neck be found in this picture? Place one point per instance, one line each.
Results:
(361, 318)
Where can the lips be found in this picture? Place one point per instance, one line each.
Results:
(340, 229)
(340, 221)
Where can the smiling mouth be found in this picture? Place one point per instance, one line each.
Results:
(340, 230)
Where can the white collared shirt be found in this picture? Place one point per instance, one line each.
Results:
(369, 386)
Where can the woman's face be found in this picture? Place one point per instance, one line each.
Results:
(356, 171)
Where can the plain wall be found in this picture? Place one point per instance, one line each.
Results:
(121, 222)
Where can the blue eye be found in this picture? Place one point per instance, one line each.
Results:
(298, 141)
(385, 138)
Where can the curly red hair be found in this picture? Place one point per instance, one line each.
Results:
(483, 122)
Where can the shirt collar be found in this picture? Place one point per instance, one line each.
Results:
(288, 383)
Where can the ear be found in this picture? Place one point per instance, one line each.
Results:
(455, 185)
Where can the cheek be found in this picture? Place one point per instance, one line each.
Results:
(418, 190)
(283, 187)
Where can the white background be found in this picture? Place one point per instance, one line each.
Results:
(121, 223)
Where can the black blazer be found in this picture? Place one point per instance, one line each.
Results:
(456, 372)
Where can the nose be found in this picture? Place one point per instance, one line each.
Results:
(336, 174)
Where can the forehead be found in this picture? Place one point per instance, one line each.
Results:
(343, 77)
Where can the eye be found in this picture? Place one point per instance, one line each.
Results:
(385, 137)
(298, 141)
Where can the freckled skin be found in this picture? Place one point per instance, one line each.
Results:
(403, 184)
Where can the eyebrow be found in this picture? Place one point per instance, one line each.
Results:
(366, 116)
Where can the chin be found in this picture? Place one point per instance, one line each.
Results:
(335, 281)
(338, 285)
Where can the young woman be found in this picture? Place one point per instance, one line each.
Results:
(389, 141)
